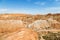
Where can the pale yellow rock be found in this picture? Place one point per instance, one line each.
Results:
(10, 25)
(39, 24)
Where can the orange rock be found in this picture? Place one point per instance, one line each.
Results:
(22, 34)
(56, 25)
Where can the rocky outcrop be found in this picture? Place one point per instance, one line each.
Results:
(10, 25)
(29, 27)
(44, 24)
(21, 34)
(39, 25)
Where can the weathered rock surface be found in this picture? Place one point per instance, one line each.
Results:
(25, 27)
(10, 25)
(21, 34)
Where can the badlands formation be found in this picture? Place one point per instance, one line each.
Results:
(29, 27)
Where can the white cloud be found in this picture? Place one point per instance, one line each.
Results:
(32, 11)
(51, 10)
(40, 3)
(3, 10)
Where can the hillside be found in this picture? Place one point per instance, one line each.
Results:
(38, 27)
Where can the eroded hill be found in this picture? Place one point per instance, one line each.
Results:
(38, 27)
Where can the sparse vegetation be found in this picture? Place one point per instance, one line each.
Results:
(52, 36)
(43, 23)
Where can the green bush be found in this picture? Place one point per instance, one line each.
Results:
(52, 36)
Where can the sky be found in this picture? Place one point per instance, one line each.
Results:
(30, 6)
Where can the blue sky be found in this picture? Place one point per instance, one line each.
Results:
(30, 6)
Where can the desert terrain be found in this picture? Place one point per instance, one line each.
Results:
(30, 27)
